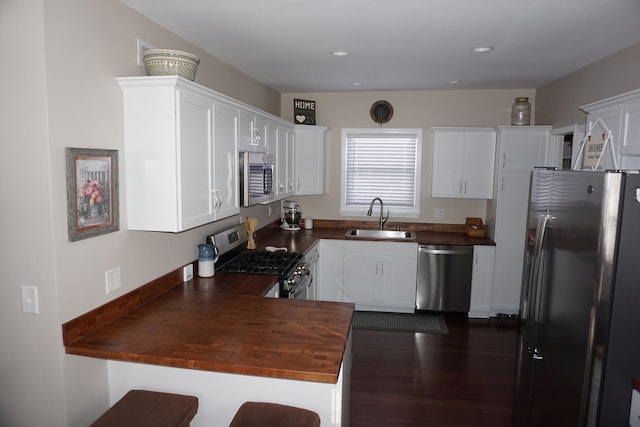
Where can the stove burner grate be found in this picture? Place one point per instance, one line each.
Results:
(258, 262)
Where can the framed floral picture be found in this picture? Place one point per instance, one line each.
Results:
(92, 192)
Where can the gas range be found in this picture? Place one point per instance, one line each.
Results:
(263, 262)
(290, 267)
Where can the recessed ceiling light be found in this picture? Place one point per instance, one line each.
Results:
(356, 84)
(482, 49)
(454, 82)
(339, 53)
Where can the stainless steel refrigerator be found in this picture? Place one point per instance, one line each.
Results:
(579, 342)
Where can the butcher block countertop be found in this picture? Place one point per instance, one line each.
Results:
(221, 324)
(301, 240)
(224, 323)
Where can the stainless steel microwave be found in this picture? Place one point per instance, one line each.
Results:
(256, 178)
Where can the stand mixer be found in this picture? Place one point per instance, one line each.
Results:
(290, 216)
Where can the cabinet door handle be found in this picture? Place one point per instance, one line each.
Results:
(502, 184)
(504, 159)
(217, 200)
(254, 136)
(460, 189)
(465, 186)
(298, 179)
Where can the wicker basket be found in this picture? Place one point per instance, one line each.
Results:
(474, 227)
(163, 62)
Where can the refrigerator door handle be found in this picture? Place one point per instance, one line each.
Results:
(534, 284)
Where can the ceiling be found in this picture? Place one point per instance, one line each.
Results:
(401, 44)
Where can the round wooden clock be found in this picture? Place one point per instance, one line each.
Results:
(381, 112)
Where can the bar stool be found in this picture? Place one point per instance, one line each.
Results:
(143, 408)
(260, 414)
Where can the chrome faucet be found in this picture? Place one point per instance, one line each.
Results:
(382, 219)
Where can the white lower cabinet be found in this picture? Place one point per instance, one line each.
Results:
(312, 256)
(380, 276)
(481, 281)
(330, 270)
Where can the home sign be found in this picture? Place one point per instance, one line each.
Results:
(304, 112)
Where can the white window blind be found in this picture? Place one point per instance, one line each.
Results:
(381, 164)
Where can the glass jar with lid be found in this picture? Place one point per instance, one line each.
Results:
(521, 112)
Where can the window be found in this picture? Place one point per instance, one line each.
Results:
(381, 163)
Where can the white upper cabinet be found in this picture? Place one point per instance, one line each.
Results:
(168, 154)
(225, 161)
(521, 147)
(181, 151)
(621, 115)
(284, 162)
(631, 128)
(251, 132)
(463, 162)
(310, 148)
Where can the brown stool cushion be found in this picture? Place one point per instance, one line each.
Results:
(258, 414)
(142, 408)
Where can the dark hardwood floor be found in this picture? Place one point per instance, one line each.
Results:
(464, 378)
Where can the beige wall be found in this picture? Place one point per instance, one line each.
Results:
(558, 103)
(412, 109)
(59, 90)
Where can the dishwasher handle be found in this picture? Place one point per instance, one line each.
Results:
(445, 249)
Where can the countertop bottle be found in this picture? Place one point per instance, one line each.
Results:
(207, 256)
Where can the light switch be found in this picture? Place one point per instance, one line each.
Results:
(30, 299)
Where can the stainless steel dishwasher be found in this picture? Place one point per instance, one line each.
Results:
(444, 278)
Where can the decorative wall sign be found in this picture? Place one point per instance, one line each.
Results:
(92, 192)
(594, 155)
(595, 146)
(381, 112)
(304, 112)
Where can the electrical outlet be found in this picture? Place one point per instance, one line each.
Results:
(270, 210)
(113, 279)
(30, 299)
(438, 213)
(187, 272)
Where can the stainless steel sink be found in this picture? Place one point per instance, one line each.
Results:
(381, 234)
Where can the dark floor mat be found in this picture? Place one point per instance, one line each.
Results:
(403, 322)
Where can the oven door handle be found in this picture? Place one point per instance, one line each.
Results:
(294, 291)
(301, 286)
